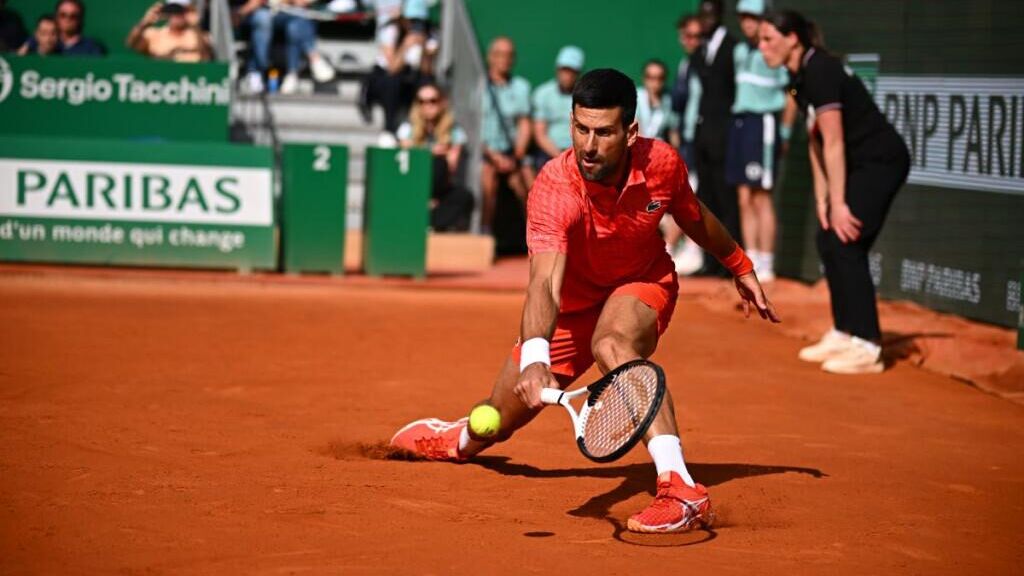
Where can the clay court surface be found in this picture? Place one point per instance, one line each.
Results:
(191, 426)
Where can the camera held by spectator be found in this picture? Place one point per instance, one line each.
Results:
(180, 39)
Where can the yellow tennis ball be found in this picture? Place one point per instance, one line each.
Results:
(484, 421)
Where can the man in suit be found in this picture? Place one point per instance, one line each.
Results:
(715, 69)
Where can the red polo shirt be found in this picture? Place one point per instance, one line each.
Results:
(610, 236)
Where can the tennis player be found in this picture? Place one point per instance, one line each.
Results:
(602, 286)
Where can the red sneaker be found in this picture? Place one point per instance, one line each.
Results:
(431, 438)
(677, 507)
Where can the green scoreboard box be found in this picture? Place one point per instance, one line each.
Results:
(397, 211)
(315, 180)
(130, 203)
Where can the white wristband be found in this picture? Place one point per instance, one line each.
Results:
(534, 350)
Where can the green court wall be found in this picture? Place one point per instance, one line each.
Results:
(612, 33)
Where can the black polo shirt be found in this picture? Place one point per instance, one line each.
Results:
(824, 83)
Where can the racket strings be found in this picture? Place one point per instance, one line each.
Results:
(616, 414)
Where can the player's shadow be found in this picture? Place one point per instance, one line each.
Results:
(636, 478)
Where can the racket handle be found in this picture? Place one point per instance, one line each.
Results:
(551, 395)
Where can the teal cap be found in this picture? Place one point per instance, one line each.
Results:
(570, 57)
(755, 7)
(415, 9)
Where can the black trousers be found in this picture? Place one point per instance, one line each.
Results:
(870, 190)
(709, 148)
(394, 93)
(454, 203)
(453, 211)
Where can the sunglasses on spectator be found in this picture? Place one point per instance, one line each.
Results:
(653, 77)
(434, 100)
(69, 15)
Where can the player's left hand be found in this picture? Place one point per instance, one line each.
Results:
(751, 292)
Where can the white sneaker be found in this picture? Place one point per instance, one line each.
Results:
(688, 258)
(756, 260)
(290, 84)
(321, 70)
(387, 140)
(832, 344)
(861, 357)
(254, 83)
(764, 265)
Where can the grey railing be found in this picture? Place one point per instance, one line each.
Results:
(461, 69)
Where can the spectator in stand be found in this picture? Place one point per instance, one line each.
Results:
(753, 139)
(385, 11)
(432, 125)
(654, 114)
(688, 257)
(12, 29)
(505, 129)
(552, 105)
(180, 39)
(713, 65)
(398, 69)
(300, 40)
(45, 38)
(687, 87)
(70, 16)
(421, 44)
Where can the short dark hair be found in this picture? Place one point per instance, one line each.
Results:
(45, 18)
(606, 88)
(711, 7)
(655, 62)
(685, 21)
(77, 3)
(792, 22)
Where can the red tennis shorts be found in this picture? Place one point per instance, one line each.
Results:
(571, 353)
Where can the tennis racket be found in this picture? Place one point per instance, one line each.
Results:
(617, 411)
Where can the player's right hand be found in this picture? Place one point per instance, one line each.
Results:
(535, 377)
(752, 294)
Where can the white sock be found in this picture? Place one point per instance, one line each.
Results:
(464, 438)
(769, 261)
(757, 257)
(667, 453)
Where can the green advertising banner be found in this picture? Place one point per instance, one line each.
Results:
(152, 204)
(114, 97)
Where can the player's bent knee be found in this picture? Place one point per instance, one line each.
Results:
(612, 349)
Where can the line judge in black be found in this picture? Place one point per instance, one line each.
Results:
(859, 162)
